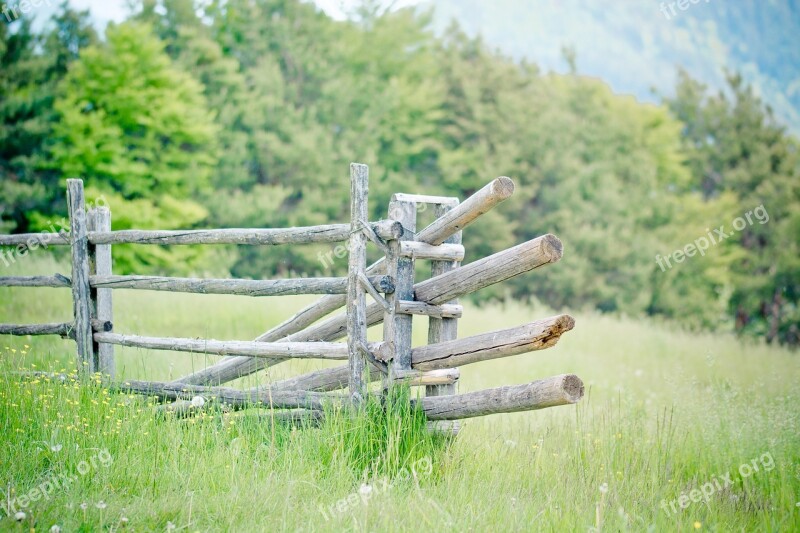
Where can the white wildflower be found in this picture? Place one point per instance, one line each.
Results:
(198, 402)
(20, 516)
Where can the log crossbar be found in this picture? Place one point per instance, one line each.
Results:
(281, 287)
(394, 297)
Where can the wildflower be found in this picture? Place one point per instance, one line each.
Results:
(698, 525)
(511, 443)
(604, 488)
(365, 490)
(20, 516)
(198, 401)
(170, 526)
(101, 504)
(55, 528)
(56, 448)
(84, 506)
(123, 521)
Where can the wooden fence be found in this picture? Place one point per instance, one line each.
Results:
(388, 283)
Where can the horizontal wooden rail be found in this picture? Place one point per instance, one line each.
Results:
(35, 281)
(62, 329)
(385, 229)
(293, 350)
(241, 287)
(425, 199)
(559, 390)
(442, 252)
(417, 378)
(537, 335)
(409, 307)
(35, 239)
(531, 337)
(233, 397)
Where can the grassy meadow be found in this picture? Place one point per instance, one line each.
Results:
(678, 431)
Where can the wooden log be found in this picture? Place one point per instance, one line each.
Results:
(442, 252)
(417, 378)
(425, 199)
(62, 329)
(444, 329)
(451, 285)
(356, 295)
(385, 229)
(242, 287)
(104, 309)
(467, 212)
(490, 270)
(234, 397)
(436, 233)
(559, 390)
(31, 240)
(57, 281)
(292, 350)
(538, 335)
(81, 291)
(397, 326)
(531, 337)
(101, 326)
(438, 311)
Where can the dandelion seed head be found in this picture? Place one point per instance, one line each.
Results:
(604, 488)
(198, 402)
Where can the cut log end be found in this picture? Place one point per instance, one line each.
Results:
(552, 247)
(572, 386)
(503, 187)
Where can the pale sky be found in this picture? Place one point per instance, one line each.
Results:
(108, 10)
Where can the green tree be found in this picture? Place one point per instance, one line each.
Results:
(136, 127)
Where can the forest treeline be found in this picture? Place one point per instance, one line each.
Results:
(246, 113)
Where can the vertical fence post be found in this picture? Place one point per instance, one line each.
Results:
(398, 326)
(100, 263)
(81, 297)
(444, 329)
(356, 294)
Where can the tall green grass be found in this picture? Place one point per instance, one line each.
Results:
(666, 412)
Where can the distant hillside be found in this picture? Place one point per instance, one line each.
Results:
(635, 45)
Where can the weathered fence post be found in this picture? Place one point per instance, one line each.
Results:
(356, 294)
(81, 297)
(397, 326)
(100, 264)
(444, 329)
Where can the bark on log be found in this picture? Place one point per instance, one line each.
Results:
(559, 390)
(397, 331)
(242, 287)
(385, 229)
(531, 337)
(57, 281)
(437, 232)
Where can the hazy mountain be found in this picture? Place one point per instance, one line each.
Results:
(636, 45)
